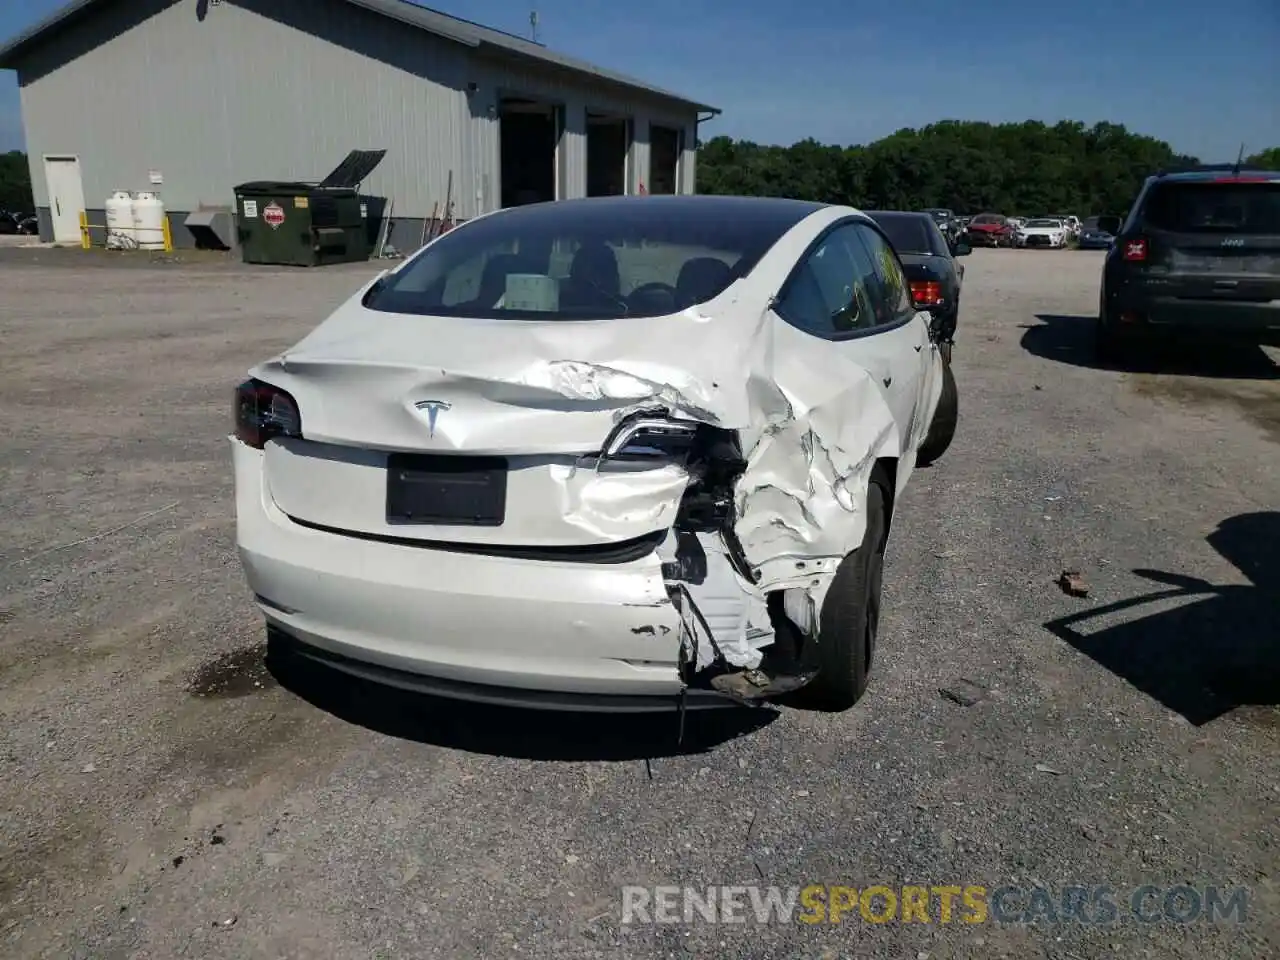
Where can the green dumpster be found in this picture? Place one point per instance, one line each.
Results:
(307, 224)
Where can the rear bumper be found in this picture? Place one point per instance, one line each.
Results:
(457, 620)
(283, 648)
(1200, 318)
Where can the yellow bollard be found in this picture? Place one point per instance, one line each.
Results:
(168, 236)
(84, 230)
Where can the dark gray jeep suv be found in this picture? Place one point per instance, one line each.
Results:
(1198, 255)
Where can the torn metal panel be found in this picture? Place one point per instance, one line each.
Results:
(723, 618)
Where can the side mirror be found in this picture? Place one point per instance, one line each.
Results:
(1109, 225)
(961, 249)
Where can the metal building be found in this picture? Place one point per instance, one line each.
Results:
(191, 97)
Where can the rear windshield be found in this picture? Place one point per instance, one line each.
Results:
(581, 260)
(1214, 207)
(907, 234)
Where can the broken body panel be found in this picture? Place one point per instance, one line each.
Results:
(767, 500)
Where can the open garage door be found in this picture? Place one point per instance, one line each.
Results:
(529, 134)
(608, 150)
(665, 147)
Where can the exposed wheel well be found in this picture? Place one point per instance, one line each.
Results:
(886, 469)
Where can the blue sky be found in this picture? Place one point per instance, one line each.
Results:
(1202, 76)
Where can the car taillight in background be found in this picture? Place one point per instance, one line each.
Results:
(263, 412)
(926, 293)
(1135, 250)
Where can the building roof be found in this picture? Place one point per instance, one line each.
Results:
(433, 21)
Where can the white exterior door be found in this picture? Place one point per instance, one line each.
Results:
(66, 197)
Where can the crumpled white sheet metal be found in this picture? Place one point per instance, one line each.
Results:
(613, 505)
(721, 615)
(812, 423)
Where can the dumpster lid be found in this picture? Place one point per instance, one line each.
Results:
(352, 171)
(275, 186)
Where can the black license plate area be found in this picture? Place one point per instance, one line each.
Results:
(446, 490)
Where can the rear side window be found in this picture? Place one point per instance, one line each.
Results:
(1214, 207)
(894, 291)
(834, 291)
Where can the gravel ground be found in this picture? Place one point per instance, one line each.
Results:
(163, 796)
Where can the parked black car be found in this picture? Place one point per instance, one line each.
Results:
(946, 221)
(1198, 254)
(930, 263)
(1092, 236)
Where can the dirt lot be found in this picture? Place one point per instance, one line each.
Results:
(163, 796)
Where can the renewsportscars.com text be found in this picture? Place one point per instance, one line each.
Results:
(942, 903)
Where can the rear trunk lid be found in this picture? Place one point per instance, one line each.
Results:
(484, 415)
(920, 266)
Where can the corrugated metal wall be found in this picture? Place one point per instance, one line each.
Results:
(214, 95)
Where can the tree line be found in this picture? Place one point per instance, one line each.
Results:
(1023, 168)
(969, 167)
(15, 183)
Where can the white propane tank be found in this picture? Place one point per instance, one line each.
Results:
(148, 220)
(120, 233)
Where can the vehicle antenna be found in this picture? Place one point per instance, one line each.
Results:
(1239, 160)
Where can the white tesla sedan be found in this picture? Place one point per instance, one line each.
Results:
(614, 453)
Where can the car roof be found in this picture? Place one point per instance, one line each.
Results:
(780, 212)
(900, 214)
(1217, 173)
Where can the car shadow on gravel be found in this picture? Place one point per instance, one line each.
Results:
(1218, 649)
(512, 732)
(1070, 340)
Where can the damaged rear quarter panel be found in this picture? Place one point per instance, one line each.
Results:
(801, 501)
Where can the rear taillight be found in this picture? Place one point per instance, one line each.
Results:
(926, 293)
(263, 412)
(1135, 250)
(650, 438)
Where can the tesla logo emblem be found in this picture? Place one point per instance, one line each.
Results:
(433, 409)
(1233, 242)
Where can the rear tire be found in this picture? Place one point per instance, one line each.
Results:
(850, 618)
(945, 418)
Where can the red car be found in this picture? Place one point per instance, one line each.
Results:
(991, 230)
